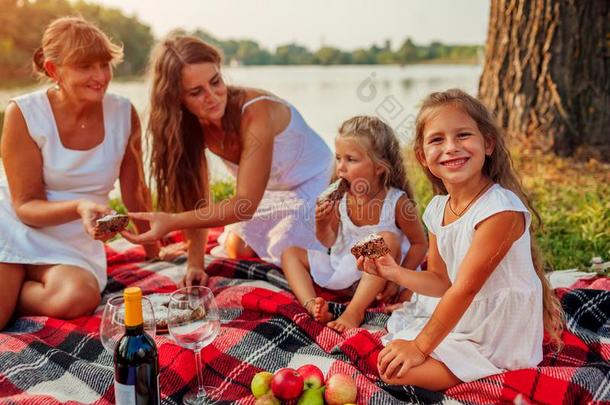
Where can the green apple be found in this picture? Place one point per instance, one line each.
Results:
(312, 396)
(267, 399)
(261, 383)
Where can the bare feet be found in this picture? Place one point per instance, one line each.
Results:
(319, 310)
(347, 320)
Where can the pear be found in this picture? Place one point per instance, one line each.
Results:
(312, 396)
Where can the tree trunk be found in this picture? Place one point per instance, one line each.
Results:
(546, 74)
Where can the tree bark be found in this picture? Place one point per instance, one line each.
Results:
(545, 74)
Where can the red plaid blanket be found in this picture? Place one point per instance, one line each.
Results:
(45, 360)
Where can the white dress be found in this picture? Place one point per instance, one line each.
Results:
(338, 270)
(301, 168)
(502, 329)
(68, 175)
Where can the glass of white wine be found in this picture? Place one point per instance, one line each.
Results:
(193, 322)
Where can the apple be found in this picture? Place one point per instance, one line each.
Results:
(267, 399)
(261, 383)
(313, 377)
(287, 384)
(312, 396)
(340, 389)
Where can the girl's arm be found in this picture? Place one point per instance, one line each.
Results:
(254, 168)
(134, 192)
(327, 222)
(22, 162)
(433, 282)
(488, 248)
(408, 221)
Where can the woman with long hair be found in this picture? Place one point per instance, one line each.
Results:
(280, 163)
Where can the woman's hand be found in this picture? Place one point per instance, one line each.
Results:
(89, 212)
(160, 224)
(195, 275)
(325, 211)
(384, 267)
(398, 357)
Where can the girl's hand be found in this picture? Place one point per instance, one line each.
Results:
(398, 357)
(325, 210)
(384, 267)
(89, 212)
(195, 275)
(160, 224)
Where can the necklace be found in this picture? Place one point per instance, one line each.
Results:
(468, 205)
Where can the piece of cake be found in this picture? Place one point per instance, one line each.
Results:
(373, 247)
(335, 191)
(111, 223)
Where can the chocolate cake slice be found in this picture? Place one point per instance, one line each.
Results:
(111, 223)
(335, 191)
(373, 247)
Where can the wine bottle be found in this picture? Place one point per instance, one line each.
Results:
(136, 363)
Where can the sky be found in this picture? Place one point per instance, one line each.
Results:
(346, 24)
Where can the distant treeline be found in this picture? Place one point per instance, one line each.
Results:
(23, 21)
(249, 52)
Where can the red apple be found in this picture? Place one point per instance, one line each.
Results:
(287, 384)
(313, 377)
(340, 389)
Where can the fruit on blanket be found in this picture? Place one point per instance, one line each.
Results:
(261, 384)
(340, 389)
(312, 396)
(287, 384)
(267, 399)
(313, 377)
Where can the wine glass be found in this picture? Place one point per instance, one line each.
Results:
(112, 326)
(193, 322)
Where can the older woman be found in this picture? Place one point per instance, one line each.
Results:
(63, 148)
(280, 163)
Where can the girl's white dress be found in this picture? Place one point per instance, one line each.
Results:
(503, 327)
(68, 175)
(338, 270)
(301, 168)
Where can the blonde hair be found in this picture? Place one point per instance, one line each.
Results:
(177, 139)
(69, 40)
(382, 146)
(499, 168)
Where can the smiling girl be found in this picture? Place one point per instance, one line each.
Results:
(495, 301)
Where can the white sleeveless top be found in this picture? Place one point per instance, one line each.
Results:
(68, 175)
(338, 270)
(301, 168)
(502, 329)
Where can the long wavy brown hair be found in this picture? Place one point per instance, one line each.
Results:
(381, 144)
(499, 168)
(177, 139)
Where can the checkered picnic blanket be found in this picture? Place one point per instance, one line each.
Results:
(48, 361)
